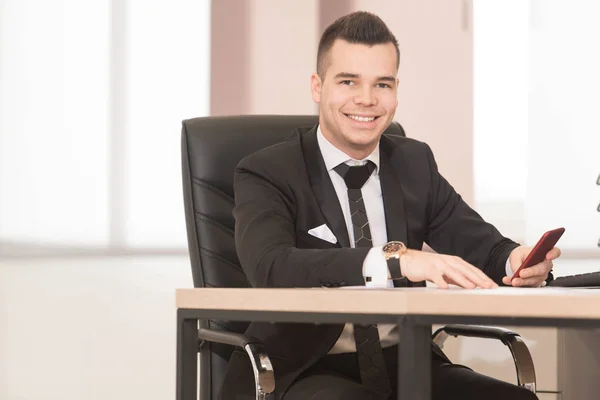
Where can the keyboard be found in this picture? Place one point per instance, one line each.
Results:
(581, 280)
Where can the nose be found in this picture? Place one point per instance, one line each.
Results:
(365, 97)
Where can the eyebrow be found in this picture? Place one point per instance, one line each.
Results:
(348, 75)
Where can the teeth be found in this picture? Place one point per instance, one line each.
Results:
(361, 119)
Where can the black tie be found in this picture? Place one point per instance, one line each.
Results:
(371, 363)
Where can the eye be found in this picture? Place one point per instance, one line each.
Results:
(384, 86)
(347, 82)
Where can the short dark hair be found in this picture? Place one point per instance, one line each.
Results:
(359, 27)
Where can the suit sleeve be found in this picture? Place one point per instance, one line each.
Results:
(266, 240)
(455, 228)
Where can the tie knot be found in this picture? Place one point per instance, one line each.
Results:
(356, 176)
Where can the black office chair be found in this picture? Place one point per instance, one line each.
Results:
(211, 149)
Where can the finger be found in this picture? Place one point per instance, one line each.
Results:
(554, 253)
(438, 279)
(521, 282)
(487, 281)
(530, 282)
(452, 282)
(517, 282)
(473, 273)
(457, 277)
(507, 281)
(540, 269)
(465, 285)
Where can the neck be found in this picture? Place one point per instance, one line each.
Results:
(358, 153)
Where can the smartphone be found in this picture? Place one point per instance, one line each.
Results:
(542, 247)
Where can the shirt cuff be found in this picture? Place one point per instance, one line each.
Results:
(509, 271)
(375, 268)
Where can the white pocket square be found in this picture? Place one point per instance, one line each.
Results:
(322, 232)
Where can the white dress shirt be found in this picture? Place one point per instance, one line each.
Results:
(374, 265)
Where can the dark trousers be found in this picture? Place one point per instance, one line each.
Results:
(337, 377)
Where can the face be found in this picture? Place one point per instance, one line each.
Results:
(357, 96)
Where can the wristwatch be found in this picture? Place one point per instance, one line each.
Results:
(392, 252)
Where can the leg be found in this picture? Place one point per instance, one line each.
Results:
(331, 378)
(328, 386)
(452, 381)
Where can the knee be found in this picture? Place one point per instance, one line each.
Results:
(523, 394)
(360, 394)
(507, 391)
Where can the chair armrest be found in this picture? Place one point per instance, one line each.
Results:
(225, 337)
(486, 332)
(518, 348)
(264, 376)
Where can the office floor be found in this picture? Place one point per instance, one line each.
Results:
(98, 328)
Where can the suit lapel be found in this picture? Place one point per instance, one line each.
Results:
(390, 175)
(323, 188)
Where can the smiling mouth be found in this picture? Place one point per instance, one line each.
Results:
(359, 118)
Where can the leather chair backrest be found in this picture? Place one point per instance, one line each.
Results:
(211, 149)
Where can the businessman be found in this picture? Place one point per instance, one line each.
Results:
(342, 204)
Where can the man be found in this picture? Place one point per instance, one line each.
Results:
(340, 204)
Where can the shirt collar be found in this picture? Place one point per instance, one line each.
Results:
(334, 156)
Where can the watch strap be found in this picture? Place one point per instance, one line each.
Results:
(393, 265)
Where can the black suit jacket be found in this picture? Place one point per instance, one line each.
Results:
(283, 191)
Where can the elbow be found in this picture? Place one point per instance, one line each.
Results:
(275, 269)
(271, 269)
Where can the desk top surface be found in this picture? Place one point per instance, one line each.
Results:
(548, 302)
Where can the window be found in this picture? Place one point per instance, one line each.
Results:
(92, 95)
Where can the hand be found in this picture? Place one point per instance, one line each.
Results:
(442, 270)
(533, 276)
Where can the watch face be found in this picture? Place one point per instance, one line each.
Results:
(393, 247)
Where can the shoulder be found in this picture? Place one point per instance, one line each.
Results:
(275, 159)
(409, 148)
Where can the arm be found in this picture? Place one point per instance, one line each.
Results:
(455, 228)
(267, 244)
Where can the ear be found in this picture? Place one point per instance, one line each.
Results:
(397, 83)
(315, 87)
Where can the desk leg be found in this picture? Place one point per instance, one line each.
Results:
(187, 358)
(414, 361)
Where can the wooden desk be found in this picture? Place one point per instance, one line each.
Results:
(414, 309)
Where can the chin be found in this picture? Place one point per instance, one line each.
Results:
(362, 142)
